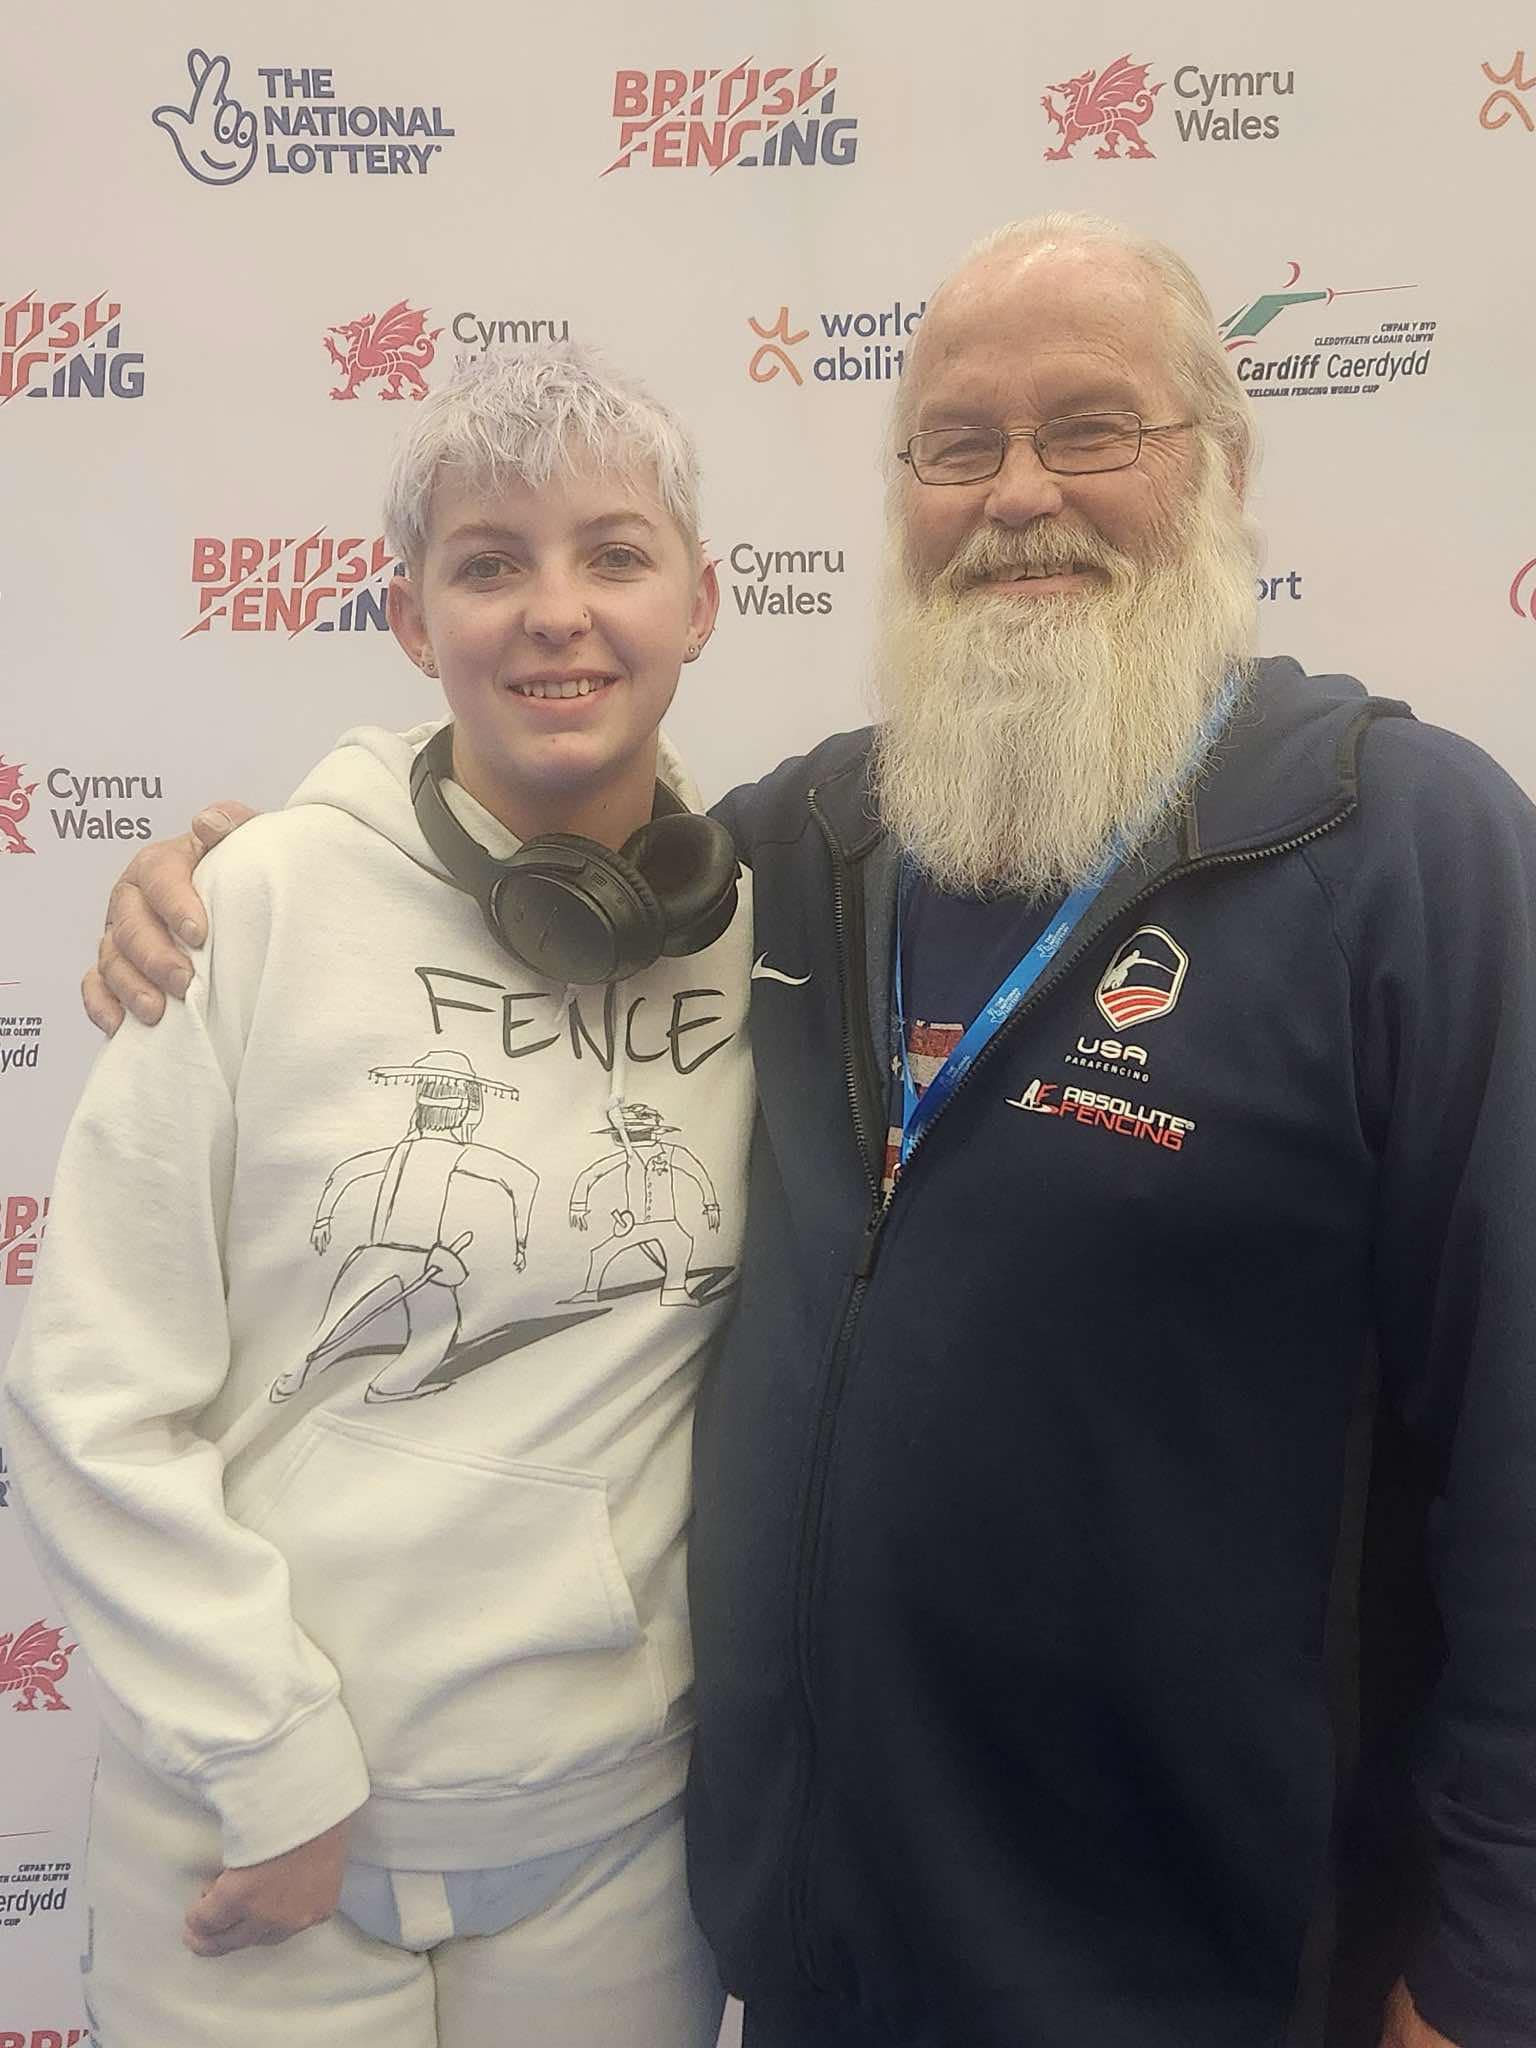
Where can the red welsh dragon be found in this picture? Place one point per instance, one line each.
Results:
(15, 802)
(32, 1663)
(393, 347)
(1113, 103)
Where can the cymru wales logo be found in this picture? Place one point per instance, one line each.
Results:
(394, 348)
(31, 1664)
(1113, 104)
(15, 802)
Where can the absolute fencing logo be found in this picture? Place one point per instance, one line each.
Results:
(1113, 107)
(66, 348)
(391, 350)
(871, 345)
(1504, 104)
(303, 128)
(750, 117)
(246, 583)
(783, 583)
(1377, 354)
(1522, 591)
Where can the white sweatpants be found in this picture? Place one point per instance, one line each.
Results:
(612, 1960)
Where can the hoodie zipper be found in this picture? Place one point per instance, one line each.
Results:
(816, 1489)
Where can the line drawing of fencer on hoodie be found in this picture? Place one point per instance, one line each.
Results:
(647, 1220)
(398, 1292)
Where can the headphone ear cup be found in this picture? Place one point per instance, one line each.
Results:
(576, 911)
(690, 864)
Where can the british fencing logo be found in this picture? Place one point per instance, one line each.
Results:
(1143, 980)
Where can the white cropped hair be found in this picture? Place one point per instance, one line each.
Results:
(530, 414)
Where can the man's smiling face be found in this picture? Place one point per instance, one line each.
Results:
(1015, 341)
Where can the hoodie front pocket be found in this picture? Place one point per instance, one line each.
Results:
(475, 1608)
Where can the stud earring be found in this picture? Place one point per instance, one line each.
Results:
(428, 666)
(693, 651)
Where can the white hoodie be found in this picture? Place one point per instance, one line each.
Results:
(351, 1414)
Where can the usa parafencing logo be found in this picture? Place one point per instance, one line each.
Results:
(297, 126)
(1143, 980)
(747, 118)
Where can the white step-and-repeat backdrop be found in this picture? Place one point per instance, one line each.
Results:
(240, 241)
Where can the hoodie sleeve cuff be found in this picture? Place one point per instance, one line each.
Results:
(1463, 2011)
(278, 1797)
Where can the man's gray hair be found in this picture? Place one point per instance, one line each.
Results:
(1199, 364)
(526, 415)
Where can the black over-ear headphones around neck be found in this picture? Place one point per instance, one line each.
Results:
(574, 910)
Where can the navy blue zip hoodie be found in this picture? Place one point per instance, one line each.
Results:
(1092, 1544)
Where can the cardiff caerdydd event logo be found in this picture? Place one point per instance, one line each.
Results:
(751, 117)
(65, 348)
(303, 128)
(1326, 365)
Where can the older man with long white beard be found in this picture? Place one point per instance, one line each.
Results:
(1114, 1566)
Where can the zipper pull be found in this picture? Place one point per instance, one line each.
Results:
(864, 1264)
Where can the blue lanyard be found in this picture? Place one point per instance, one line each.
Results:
(918, 1111)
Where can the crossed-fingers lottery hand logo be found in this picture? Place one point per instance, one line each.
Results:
(215, 136)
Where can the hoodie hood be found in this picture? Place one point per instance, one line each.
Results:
(367, 774)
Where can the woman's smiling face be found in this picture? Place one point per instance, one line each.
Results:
(558, 619)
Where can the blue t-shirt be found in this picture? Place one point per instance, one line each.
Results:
(955, 952)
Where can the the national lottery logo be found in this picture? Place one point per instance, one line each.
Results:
(15, 803)
(247, 583)
(848, 344)
(297, 127)
(1375, 355)
(1112, 107)
(66, 348)
(751, 117)
(391, 350)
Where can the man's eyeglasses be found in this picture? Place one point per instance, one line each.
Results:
(1077, 444)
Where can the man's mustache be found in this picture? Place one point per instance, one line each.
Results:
(1042, 550)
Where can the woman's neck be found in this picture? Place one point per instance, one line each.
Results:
(610, 813)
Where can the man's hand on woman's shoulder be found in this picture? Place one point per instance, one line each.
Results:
(153, 913)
